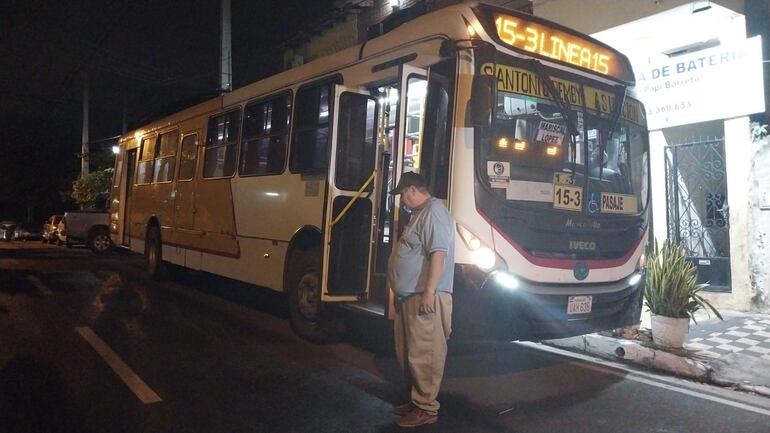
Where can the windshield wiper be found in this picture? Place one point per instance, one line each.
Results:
(620, 98)
(563, 107)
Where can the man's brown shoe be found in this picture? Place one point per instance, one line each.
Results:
(402, 409)
(417, 418)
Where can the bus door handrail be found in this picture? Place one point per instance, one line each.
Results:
(350, 203)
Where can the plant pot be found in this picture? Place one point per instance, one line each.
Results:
(669, 331)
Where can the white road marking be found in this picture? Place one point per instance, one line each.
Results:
(40, 285)
(621, 371)
(131, 379)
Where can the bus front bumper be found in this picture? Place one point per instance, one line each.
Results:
(486, 310)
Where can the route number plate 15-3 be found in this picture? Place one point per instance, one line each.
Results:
(579, 304)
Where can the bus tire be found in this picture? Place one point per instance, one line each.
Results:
(309, 317)
(99, 241)
(153, 255)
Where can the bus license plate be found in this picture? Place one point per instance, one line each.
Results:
(579, 304)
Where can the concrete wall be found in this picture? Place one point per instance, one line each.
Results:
(759, 224)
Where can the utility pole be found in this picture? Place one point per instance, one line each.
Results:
(226, 65)
(84, 147)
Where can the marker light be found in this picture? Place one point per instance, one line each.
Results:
(634, 279)
(642, 261)
(552, 150)
(502, 143)
(519, 145)
(506, 280)
(484, 258)
(474, 243)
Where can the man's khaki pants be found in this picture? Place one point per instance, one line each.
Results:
(421, 347)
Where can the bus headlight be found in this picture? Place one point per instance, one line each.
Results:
(484, 258)
(635, 279)
(506, 280)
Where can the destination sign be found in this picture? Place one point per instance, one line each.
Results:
(545, 39)
(525, 82)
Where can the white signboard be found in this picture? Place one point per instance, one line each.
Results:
(716, 83)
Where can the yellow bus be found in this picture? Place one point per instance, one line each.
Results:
(526, 129)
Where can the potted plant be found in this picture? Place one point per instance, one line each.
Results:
(672, 294)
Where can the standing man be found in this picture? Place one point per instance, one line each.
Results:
(420, 272)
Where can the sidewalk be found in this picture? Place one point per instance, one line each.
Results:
(734, 352)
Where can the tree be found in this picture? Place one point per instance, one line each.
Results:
(93, 189)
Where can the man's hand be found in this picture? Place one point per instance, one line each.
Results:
(428, 302)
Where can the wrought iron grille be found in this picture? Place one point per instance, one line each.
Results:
(698, 215)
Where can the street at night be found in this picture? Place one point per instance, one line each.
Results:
(90, 345)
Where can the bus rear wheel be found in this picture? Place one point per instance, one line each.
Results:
(309, 317)
(153, 254)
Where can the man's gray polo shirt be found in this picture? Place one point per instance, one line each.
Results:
(430, 229)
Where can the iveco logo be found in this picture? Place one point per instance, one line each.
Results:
(582, 245)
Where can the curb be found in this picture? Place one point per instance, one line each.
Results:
(631, 351)
(627, 350)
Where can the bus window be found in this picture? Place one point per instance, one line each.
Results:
(310, 138)
(416, 90)
(265, 132)
(144, 170)
(164, 163)
(222, 145)
(188, 157)
(356, 142)
(435, 152)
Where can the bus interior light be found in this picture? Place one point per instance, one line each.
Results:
(471, 30)
(506, 280)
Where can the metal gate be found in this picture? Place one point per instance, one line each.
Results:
(697, 211)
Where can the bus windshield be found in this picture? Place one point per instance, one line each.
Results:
(528, 157)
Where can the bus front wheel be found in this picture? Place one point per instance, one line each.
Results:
(309, 317)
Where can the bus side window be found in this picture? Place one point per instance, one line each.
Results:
(164, 162)
(144, 170)
(356, 141)
(310, 136)
(222, 145)
(265, 133)
(188, 157)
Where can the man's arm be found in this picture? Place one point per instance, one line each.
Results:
(435, 268)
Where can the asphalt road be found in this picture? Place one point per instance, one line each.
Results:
(88, 344)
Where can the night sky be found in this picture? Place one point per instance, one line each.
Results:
(151, 57)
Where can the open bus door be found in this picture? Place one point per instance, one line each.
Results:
(405, 150)
(349, 222)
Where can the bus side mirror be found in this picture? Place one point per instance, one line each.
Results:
(483, 100)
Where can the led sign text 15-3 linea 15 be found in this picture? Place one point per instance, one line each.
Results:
(548, 42)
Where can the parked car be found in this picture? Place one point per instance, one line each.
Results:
(89, 227)
(60, 234)
(6, 230)
(50, 227)
(26, 232)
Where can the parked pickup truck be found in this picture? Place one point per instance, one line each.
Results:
(89, 227)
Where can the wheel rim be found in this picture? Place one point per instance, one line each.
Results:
(308, 301)
(101, 242)
(152, 254)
